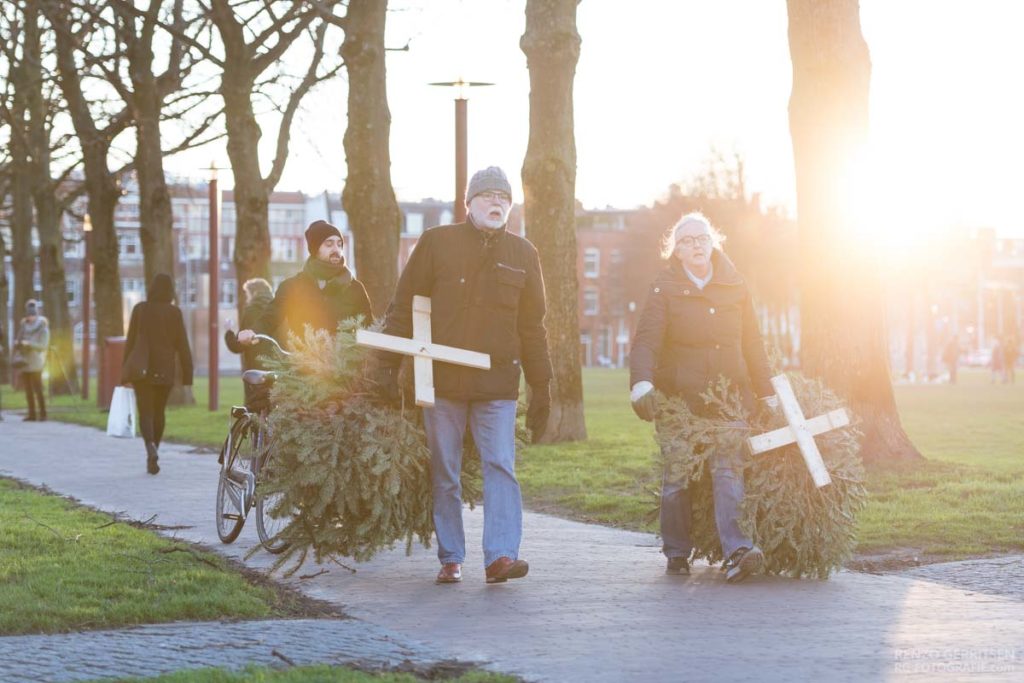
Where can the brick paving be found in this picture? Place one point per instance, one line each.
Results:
(596, 605)
(163, 648)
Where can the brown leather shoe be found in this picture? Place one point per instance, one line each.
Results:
(450, 573)
(505, 568)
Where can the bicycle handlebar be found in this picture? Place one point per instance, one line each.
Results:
(273, 341)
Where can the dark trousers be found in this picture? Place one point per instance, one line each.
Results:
(33, 391)
(152, 402)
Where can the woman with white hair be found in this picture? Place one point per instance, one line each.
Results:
(698, 324)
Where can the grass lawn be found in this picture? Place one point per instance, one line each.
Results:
(64, 567)
(185, 424)
(310, 674)
(967, 499)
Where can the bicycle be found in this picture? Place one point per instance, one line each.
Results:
(244, 457)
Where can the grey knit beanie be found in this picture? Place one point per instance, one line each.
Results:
(490, 179)
(31, 307)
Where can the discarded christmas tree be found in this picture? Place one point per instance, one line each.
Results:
(352, 471)
(802, 529)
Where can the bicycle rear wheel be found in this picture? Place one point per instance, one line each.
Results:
(267, 526)
(232, 499)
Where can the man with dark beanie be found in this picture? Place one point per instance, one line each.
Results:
(486, 294)
(322, 295)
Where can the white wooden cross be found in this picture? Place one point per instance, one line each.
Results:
(800, 430)
(423, 351)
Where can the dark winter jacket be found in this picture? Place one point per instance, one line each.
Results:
(164, 330)
(300, 301)
(687, 336)
(486, 294)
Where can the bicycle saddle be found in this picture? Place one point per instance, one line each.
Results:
(257, 377)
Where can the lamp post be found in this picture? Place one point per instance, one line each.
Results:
(86, 297)
(461, 136)
(214, 311)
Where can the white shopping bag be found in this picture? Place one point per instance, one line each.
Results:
(123, 418)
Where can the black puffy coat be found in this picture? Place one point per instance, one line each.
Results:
(687, 336)
(486, 294)
(165, 335)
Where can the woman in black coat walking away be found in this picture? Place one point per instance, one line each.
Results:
(156, 335)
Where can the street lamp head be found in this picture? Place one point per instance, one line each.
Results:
(461, 86)
(213, 170)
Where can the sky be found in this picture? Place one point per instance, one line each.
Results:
(661, 83)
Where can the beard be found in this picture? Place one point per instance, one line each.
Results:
(484, 219)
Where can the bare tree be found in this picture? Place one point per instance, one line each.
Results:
(368, 197)
(552, 47)
(42, 104)
(146, 94)
(843, 336)
(255, 37)
(96, 126)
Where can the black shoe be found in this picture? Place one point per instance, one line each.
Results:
(678, 566)
(743, 563)
(29, 418)
(151, 459)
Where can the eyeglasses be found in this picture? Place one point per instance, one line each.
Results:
(500, 196)
(690, 240)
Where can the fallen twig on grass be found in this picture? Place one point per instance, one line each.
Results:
(52, 530)
(194, 554)
(287, 660)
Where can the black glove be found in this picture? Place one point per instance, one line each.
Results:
(539, 410)
(385, 380)
(645, 407)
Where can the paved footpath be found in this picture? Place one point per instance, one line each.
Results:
(596, 605)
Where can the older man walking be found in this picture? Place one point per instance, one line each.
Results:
(487, 295)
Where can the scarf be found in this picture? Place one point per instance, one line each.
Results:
(322, 271)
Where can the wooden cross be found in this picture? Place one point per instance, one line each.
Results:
(800, 430)
(423, 351)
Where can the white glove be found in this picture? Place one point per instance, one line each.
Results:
(639, 390)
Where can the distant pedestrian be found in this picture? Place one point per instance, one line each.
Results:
(157, 324)
(951, 357)
(1011, 350)
(996, 364)
(30, 348)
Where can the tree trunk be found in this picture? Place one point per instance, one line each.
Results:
(155, 216)
(368, 197)
(102, 188)
(843, 339)
(552, 47)
(22, 258)
(63, 372)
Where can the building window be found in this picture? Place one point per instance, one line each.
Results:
(591, 262)
(228, 293)
(74, 287)
(446, 217)
(283, 249)
(590, 301)
(129, 246)
(414, 224)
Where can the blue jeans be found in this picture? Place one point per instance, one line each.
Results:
(493, 425)
(727, 489)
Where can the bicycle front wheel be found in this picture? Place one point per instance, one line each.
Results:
(269, 522)
(232, 501)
